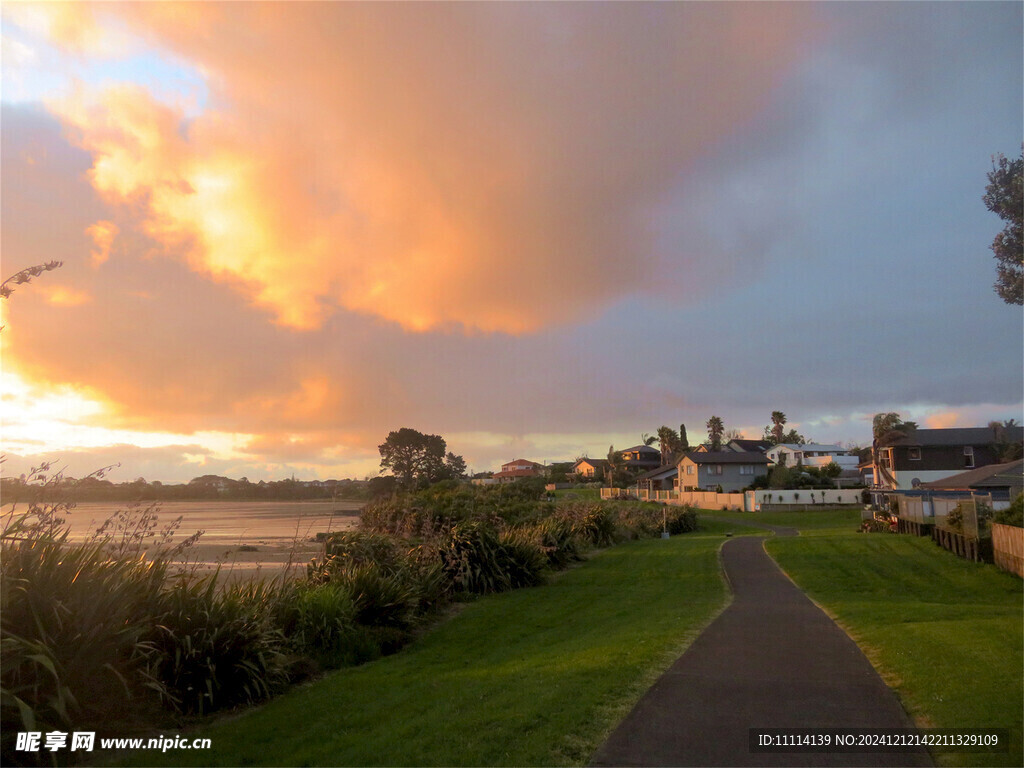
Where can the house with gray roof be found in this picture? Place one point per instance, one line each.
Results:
(919, 456)
(1003, 481)
(732, 470)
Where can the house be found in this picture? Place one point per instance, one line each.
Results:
(518, 469)
(590, 468)
(907, 460)
(660, 479)
(732, 470)
(811, 455)
(640, 458)
(1004, 482)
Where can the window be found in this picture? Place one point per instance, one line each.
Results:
(914, 454)
(689, 469)
(747, 469)
(968, 455)
(714, 469)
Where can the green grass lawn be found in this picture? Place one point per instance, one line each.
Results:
(812, 522)
(577, 494)
(532, 677)
(946, 634)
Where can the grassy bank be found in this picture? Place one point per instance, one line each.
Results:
(531, 677)
(811, 522)
(946, 634)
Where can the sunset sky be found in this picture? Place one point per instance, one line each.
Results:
(534, 229)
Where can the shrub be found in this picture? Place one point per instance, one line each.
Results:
(211, 650)
(554, 540)
(319, 620)
(479, 561)
(595, 524)
(382, 597)
(639, 519)
(362, 547)
(72, 622)
(524, 561)
(1012, 515)
(681, 520)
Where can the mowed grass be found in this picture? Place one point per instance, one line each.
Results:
(532, 677)
(812, 522)
(946, 634)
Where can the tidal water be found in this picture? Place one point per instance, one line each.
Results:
(229, 521)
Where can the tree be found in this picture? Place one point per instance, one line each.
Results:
(455, 466)
(777, 429)
(418, 459)
(648, 439)
(668, 441)
(614, 464)
(887, 426)
(1005, 448)
(715, 431)
(684, 443)
(1004, 196)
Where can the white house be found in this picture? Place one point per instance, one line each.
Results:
(811, 455)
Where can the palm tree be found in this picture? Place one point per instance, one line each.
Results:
(668, 441)
(885, 429)
(778, 426)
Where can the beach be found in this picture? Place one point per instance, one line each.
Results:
(243, 539)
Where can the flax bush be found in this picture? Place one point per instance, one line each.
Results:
(214, 648)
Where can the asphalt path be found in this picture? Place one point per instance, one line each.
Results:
(772, 659)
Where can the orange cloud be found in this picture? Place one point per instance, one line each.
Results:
(65, 296)
(433, 166)
(102, 234)
(944, 420)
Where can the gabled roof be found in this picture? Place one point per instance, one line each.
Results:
(659, 474)
(725, 457)
(750, 445)
(516, 473)
(596, 463)
(991, 476)
(641, 449)
(959, 436)
(524, 461)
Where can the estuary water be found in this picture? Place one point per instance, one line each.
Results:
(231, 522)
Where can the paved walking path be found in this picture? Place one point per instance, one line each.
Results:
(772, 659)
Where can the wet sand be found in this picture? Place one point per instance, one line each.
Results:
(244, 539)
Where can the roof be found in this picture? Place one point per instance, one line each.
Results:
(818, 447)
(960, 436)
(659, 473)
(597, 463)
(725, 457)
(524, 461)
(516, 473)
(991, 476)
(641, 449)
(750, 445)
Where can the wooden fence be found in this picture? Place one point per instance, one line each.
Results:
(1008, 548)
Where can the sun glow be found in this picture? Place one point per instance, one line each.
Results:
(53, 418)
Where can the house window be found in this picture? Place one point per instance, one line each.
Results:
(689, 469)
(914, 454)
(714, 469)
(968, 455)
(747, 469)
